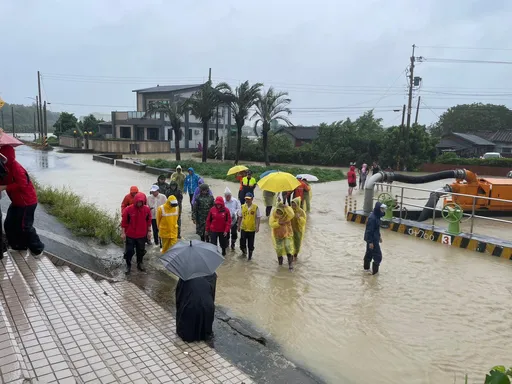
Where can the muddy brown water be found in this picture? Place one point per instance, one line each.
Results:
(433, 314)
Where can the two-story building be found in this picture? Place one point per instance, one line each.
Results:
(138, 126)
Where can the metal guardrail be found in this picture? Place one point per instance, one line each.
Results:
(471, 216)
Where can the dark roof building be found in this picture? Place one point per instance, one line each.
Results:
(168, 88)
(299, 135)
(465, 145)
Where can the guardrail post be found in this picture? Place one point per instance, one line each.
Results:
(472, 216)
(401, 202)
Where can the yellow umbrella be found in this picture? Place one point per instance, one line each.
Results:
(278, 182)
(236, 169)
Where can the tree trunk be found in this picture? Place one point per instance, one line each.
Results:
(177, 137)
(264, 134)
(205, 141)
(238, 143)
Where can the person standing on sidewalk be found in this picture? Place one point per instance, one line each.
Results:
(218, 224)
(155, 199)
(249, 218)
(234, 206)
(19, 221)
(136, 224)
(373, 239)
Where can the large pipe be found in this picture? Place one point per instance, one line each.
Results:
(428, 211)
(459, 174)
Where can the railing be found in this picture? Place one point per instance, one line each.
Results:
(471, 216)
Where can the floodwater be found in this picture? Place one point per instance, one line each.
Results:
(433, 314)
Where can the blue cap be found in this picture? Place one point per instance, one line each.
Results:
(249, 195)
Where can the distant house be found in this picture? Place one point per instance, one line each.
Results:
(137, 125)
(501, 139)
(299, 135)
(465, 145)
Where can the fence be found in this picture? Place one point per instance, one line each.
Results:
(471, 216)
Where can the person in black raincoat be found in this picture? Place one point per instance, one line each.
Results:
(195, 308)
(373, 239)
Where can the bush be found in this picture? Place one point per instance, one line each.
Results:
(501, 162)
(219, 171)
(83, 219)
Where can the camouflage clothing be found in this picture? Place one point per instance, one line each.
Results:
(163, 188)
(202, 206)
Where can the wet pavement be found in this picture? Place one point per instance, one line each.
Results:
(421, 320)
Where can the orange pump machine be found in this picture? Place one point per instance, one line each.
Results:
(481, 188)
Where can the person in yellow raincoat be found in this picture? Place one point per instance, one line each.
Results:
(298, 226)
(167, 221)
(282, 233)
(307, 196)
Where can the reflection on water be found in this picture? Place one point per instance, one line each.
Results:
(434, 311)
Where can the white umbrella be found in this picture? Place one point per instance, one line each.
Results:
(307, 177)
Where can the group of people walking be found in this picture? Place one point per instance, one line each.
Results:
(222, 220)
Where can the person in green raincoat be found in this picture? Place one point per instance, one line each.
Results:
(269, 198)
(298, 226)
(280, 222)
(307, 196)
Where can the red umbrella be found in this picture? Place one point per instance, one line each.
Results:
(6, 139)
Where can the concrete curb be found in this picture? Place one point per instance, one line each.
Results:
(479, 243)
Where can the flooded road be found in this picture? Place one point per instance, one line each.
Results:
(433, 313)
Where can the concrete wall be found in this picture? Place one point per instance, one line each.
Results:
(480, 170)
(70, 142)
(123, 146)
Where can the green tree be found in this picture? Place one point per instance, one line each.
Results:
(65, 123)
(202, 105)
(243, 98)
(270, 105)
(175, 112)
(474, 117)
(89, 124)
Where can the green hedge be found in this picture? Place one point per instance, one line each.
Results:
(219, 171)
(451, 158)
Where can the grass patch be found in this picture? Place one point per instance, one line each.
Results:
(82, 219)
(218, 171)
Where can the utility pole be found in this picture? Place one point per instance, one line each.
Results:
(35, 127)
(45, 126)
(210, 74)
(417, 110)
(411, 85)
(39, 125)
(40, 101)
(403, 120)
(12, 119)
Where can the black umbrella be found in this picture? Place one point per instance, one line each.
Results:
(191, 259)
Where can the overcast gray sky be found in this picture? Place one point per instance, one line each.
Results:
(335, 58)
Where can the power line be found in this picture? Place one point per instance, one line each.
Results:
(464, 48)
(461, 61)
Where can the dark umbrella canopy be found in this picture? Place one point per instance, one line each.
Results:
(191, 259)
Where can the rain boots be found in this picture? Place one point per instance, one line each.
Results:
(375, 268)
(295, 258)
(280, 259)
(140, 267)
(250, 256)
(232, 245)
(290, 262)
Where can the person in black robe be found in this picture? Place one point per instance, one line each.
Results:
(195, 308)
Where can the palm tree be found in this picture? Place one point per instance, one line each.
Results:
(175, 111)
(202, 105)
(243, 98)
(270, 106)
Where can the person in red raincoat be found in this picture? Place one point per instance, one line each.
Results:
(352, 179)
(19, 222)
(128, 199)
(299, 192)
(218, 224)
(136, 224)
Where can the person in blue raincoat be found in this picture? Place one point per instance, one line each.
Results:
(373, 239)
(191, 183)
